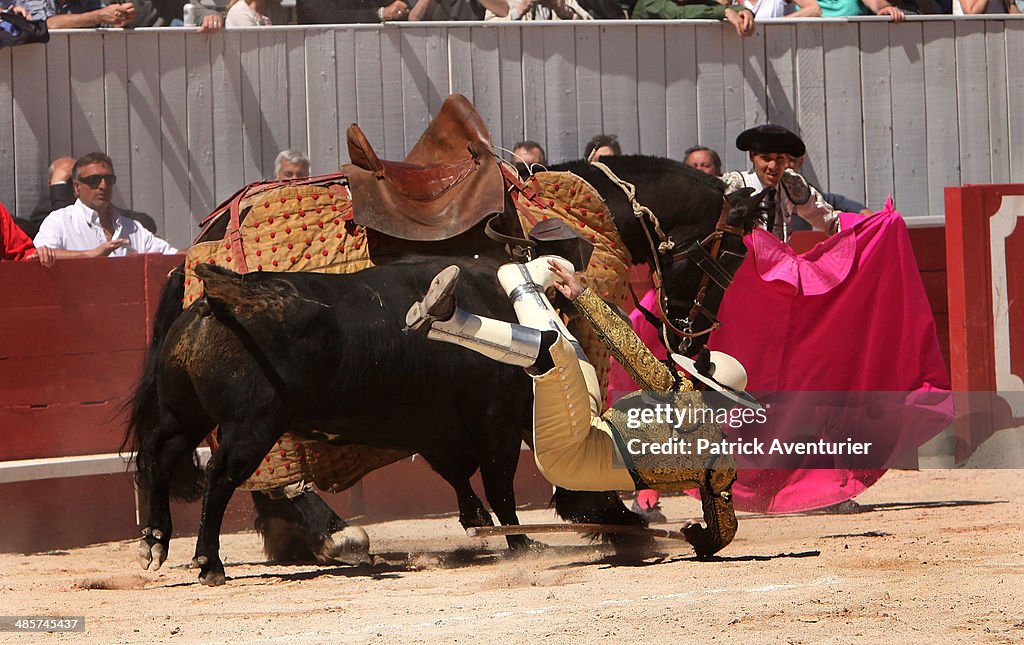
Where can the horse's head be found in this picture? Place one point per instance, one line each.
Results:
(696, 273)
(684, 226)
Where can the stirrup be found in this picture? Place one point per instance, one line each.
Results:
(437, 304)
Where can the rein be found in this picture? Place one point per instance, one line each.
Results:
(706, 260)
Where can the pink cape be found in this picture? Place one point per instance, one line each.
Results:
(850, 315)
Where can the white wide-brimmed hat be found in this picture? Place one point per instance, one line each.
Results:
(726, 375)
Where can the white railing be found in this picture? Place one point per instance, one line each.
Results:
(905, 109)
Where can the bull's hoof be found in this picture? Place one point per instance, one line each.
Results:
(350, 545)
(211, 572)
(212, 579)
(152, 551)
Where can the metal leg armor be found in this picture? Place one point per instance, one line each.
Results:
(504, 342)
(525, 285)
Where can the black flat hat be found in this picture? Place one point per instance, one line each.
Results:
(771, 138)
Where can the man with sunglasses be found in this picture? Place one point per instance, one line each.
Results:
(92, 227)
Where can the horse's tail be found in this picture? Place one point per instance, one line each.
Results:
(144, 405)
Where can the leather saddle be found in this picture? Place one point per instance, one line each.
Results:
(449, 182)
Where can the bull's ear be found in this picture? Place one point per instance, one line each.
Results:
(737, 196)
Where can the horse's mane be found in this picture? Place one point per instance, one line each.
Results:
(644, 163)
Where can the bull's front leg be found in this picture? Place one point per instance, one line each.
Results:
(159, 457)
(242, 448)
(719, 514)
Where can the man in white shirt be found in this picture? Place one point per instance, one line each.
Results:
(92, 227)
(792, 203)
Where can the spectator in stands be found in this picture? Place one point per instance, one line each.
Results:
(768, 9)
(741, 18)
(602, 145)
(170, 13)
(16, 245)
(8, 5)
(61, 194)
(80, 14)
(331, 12)
(456, 9)
(841, 203)
(290, 164)
(92, 227)
(970, 7)
(840, 8)
(527, 153)
(252, 13)
(704, 159)
(797, 206)
(540, 10)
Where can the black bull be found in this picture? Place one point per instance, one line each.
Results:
(323, 357)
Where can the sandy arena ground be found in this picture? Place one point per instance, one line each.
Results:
(936, 559)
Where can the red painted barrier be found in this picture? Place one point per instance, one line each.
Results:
(72, 339)
(71, 349)
(984, 252)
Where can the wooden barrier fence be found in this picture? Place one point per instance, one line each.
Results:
(985, 249)
(884, 108)
(71, 350)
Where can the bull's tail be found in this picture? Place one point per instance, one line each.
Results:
(144, 405)
(230, 293)
(263, 312)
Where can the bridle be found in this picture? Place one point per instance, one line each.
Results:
(706, 254)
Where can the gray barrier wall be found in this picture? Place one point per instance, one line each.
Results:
(904, 109)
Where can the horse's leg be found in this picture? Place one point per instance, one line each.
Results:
(242, 447)
(601, 508)
(498, 475)
(500, 447)
(166, 453)
(304, 527)
(456, 470)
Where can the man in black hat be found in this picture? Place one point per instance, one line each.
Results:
(792, 203)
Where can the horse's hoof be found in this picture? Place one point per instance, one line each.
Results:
(479, 518)
(631, 548)
(350, 545)
(521, 545)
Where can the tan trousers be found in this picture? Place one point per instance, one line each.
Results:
(572, 448)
